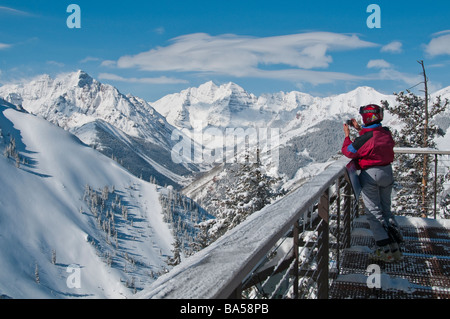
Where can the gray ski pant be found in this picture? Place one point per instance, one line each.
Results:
(377, 183)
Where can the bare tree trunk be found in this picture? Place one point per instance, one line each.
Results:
(425, 145)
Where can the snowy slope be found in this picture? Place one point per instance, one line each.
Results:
(42, 210)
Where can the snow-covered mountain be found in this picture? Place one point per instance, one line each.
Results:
(73, 222)
(121, 126)
(310, 128)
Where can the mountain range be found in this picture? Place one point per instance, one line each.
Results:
(121, 126)
(143, 135)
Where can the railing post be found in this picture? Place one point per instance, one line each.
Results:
(237, 293)
(347, 214)
(435, 183)
(323, 246)
(296, 258)
(338, 226)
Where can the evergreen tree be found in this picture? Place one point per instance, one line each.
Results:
(36, 274)
(176, 259)
(201, 240)
(445, 206)
(250, 190)
(53, 257)
(418, 131)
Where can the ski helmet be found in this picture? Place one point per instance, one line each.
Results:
(371, 113)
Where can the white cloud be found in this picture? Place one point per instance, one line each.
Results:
(157, 80)
(393, 47)
(439, 45)
(249, 56)
(378, 64)
(89, 59)
(440, 33)
(4, 46)
(13, 11)
(108, 63)
(55, 63)
(394, 75)
(160, 30)
(310, 76)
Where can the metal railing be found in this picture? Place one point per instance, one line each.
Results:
(438, 177)
(290, 249)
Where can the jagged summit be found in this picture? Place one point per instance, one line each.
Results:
(209, 92)
(74, 99)
(84, 78)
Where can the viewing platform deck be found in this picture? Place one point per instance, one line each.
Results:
(424, 271)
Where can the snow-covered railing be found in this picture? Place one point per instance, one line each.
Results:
(288, 249)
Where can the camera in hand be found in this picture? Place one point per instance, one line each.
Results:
(349, 122)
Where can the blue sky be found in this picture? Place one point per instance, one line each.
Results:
(153, 48)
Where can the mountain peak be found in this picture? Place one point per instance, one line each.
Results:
(71, 79)
(364, 89)
(209, 85)
(207, 88)
(83, 78)
(234, 87)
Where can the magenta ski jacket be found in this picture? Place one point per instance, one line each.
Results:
(374, 147)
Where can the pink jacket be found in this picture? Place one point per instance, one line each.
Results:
(374, 147)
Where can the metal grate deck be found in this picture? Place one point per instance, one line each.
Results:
(424, 273)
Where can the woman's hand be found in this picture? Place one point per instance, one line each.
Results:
(356, 125)
(346, 130)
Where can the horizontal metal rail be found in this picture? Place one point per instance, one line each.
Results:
(411, 150)
(425, 152)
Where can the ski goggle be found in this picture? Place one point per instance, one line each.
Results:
(375, 109)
